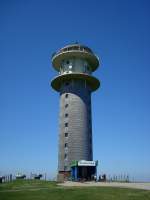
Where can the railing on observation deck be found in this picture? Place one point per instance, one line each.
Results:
(73, 48)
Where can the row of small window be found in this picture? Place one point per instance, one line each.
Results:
(70, 65)
(67, 61)
(66, 125)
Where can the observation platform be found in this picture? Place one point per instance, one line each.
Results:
(75, 51)
(93, 82)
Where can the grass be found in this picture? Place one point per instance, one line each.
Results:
(44, 190)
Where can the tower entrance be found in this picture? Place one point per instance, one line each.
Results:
(83, 170)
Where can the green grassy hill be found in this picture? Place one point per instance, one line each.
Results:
(45, 190)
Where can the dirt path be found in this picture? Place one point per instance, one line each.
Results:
(144, 186)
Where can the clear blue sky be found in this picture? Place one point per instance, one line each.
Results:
(119, 32)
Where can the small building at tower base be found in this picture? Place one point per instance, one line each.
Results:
(83, 170)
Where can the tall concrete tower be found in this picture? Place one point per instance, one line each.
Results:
(75, 83)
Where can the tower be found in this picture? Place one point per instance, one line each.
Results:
(75, 83)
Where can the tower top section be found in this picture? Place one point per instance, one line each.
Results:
(75, 51)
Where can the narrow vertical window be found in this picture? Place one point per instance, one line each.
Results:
(66, 145)
(66, 115)
(66, 134)
(66, 124)
(67, 83)
(66, 105)
(65, 156)
(66, 96)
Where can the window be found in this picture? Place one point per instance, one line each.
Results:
(67, 62)
(88, 68)
(65, 156)
(66, 134)
(85, 67)
(66, 115)
(66, 95)
(66, 83)
(65, 168)
(66, 105)
(66, 144)
(66, 124)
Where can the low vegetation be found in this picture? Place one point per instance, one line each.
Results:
(46, 190)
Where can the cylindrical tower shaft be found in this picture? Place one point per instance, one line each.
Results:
(75, 84)
(75, 139)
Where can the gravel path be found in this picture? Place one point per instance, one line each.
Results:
(144, 186)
